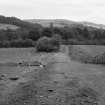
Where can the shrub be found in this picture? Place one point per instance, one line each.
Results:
(6, 44)
(46, 44)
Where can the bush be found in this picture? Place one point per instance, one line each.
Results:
(46, 44)
(6, 44)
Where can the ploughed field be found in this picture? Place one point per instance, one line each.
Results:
(61, 81)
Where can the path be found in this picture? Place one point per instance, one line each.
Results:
(60, 65)
(65, 49)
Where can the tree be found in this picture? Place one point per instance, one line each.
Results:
(86, 33)
(47, 32)
(34, 35)
(46, 44)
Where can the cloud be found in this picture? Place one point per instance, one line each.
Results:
(79, 10)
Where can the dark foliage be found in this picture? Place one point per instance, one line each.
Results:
(34, 34)
(69, 34)
(46, 44)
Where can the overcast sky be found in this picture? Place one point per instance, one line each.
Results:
(77, 10)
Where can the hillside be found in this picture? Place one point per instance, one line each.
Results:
(15, 22)
(64, 22)
(33, 23)
(56, 22)
(99, 26)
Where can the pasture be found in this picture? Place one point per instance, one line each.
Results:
(62, 81)
(92, 49)
(15, 54)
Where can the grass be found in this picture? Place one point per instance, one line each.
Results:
(64, 82)
(8, 26)
(93, 49)
(15, 54)
(87, 53)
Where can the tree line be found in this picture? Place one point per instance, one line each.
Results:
(28, 34)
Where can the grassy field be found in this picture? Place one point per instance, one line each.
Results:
(15, 54)
(8, 26)
(93, 49)
(61, 82)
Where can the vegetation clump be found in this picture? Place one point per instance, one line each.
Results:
(46, 44)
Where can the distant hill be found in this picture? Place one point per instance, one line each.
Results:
(56, 22)
(14, 23)
(99, 26)
(64, 22)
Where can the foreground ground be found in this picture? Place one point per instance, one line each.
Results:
(61, 82)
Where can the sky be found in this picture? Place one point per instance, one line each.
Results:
(76, 10)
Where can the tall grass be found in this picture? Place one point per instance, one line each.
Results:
(79, 54)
